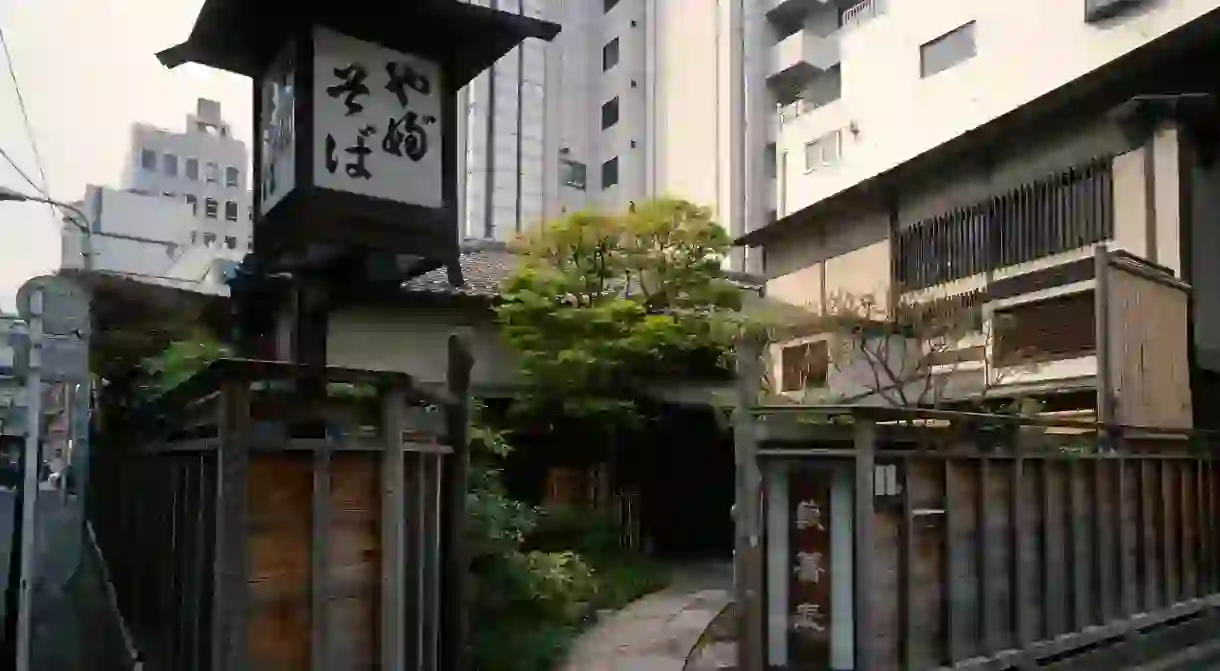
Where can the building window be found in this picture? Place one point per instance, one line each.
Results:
(230, 242)
(193, 201)
(194, 237)
(947, 50)
(230, 211)
(804, 366)
(610, 54)
(148, 159)
(609, 5)
(1045, 330)
(231, 177)
(171, 165)
(212, 173)
(250, 213)
(823, 152)
(770, 160)
(574, 173)
(209, 208)
(610, 173)
(209, 239)
(609, 113)
(192, 169)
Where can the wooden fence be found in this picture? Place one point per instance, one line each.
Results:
(926, 540)
(258, 518)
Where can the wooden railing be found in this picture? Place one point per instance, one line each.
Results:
(1061, 212)
(919, 540)
(266, 516)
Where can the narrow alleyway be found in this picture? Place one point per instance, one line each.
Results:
(657, 632)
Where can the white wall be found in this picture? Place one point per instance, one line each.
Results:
(1024, 50)
(210, 143)
(132, 233)
(415, 341)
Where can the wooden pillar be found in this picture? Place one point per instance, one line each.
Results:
(864, 523)
(393, 536)
(747, 520)
(230, 597)
(454, 622)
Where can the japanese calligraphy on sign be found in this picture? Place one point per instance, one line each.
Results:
(809, 579)
(277, 130)
(377, 121)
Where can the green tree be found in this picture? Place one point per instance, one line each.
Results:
(606, 303)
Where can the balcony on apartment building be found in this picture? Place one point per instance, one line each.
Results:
(803, 70)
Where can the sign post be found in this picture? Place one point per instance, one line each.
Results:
(56, 311)
(355, 106)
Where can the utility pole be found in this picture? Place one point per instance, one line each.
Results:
(29, 482)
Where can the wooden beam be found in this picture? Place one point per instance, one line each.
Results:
(231, 597)
(319, 564)
(393, 525)
(455, 626)
(751, 649)
(864, 527)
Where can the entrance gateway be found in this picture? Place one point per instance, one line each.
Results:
(355, 164)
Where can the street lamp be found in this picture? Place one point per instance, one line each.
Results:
(9, 195)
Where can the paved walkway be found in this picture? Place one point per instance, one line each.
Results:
(657, 632)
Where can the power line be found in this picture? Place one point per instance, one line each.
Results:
(29, 128)
(22, 173)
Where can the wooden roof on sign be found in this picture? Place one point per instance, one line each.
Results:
(244, 36)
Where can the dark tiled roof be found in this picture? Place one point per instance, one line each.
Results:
(485, 266)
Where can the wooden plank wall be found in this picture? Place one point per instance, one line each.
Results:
(1147, 321)
(280, 501)
(1007, 552)
(354, 562)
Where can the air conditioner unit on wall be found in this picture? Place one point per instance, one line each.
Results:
(1097, 10)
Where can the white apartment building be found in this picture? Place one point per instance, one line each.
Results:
(866, 88)
(978, 155)
(205, 167)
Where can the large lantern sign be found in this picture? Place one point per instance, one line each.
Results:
(378, 121)
(276, 136)
(356, 110)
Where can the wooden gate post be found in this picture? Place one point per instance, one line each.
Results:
(862, 550)
(748, 563)
(455, 628)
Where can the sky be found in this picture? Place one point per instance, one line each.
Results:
(87, 71)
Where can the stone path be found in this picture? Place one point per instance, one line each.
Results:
(658, 632)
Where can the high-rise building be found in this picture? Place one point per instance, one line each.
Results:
(502, 130)
(866, 88)
(203, 166)
(634, 99)
(183, 206)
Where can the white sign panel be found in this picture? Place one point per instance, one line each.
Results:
(377, 121)
(277, 125)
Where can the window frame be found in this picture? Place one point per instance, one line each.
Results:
(610, 108)
(608, 166)
(967, 29)
(611, 51)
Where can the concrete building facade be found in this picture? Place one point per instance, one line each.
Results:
(894, 80)
(204, 166)
(634, 99)
(1005, 209)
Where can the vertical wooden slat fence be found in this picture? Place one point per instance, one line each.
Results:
(257, 519)
(985, 542)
